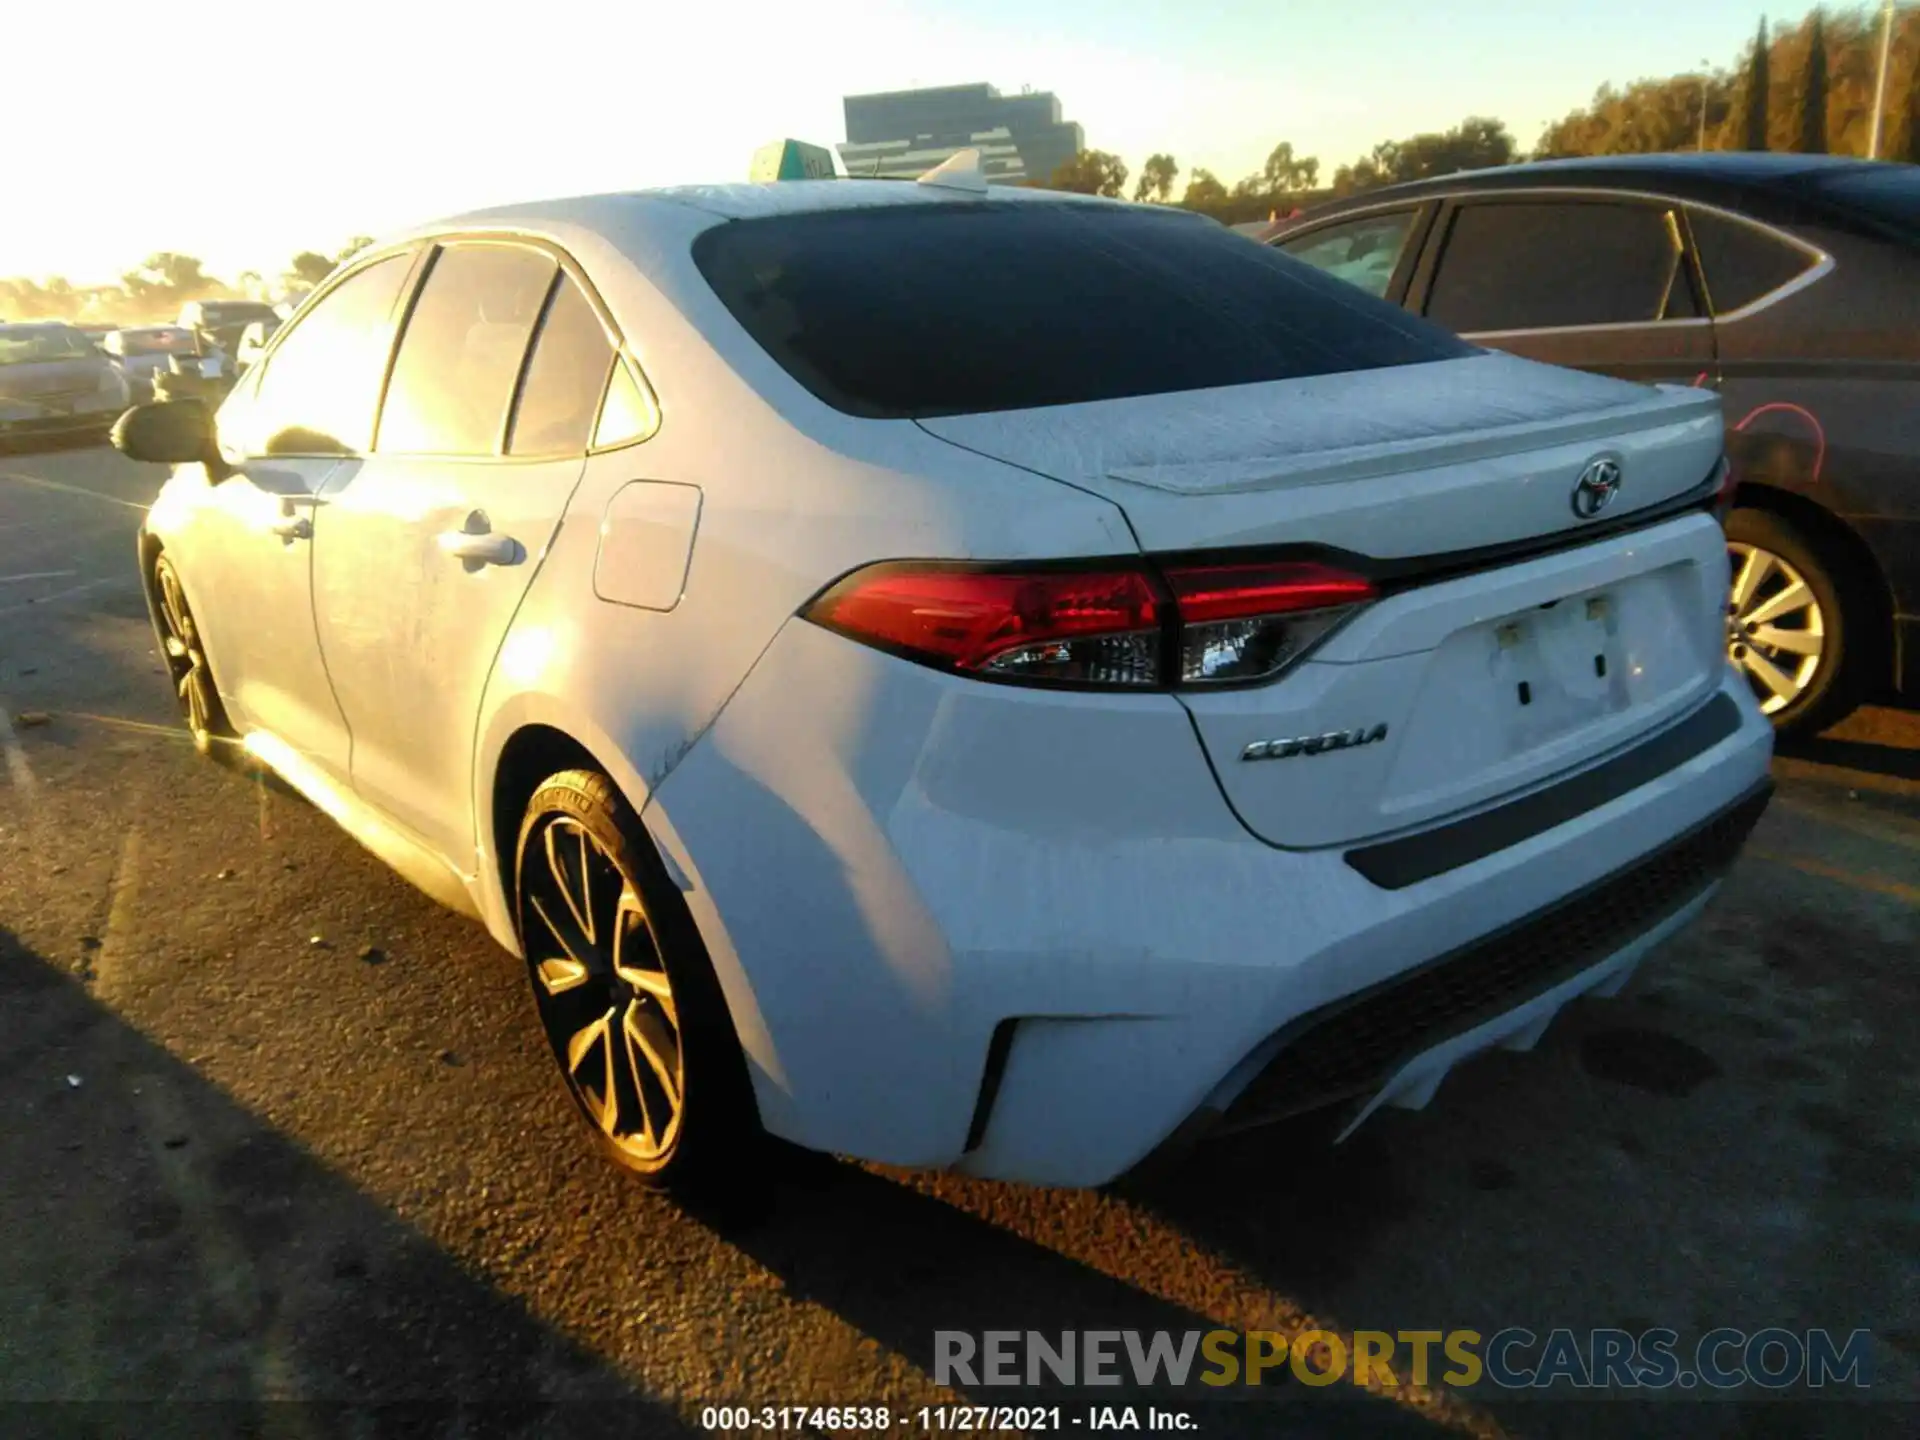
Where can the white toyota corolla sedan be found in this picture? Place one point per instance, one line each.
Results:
(995, 680)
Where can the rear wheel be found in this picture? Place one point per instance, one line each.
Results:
(1791, 631)
(628, 1000)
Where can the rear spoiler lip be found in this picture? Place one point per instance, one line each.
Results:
(1661, 405)
(1392, 575)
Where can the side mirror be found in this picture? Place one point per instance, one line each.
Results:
(171, 432)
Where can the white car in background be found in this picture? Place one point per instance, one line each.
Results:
(138, 352)
(996, 680)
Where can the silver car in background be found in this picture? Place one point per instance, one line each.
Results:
(55, 381)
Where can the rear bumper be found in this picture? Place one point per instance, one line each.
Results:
(1020, 933)
(1394, 1042)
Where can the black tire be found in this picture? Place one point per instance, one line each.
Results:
(1836, 684)
(186, 661)
(607, 973)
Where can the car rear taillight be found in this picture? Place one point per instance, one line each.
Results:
(1114, 625)
(1091, 627)
(1249, 622)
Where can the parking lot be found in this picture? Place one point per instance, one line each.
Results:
(278, 1128)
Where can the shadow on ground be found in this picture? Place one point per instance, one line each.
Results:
(899, 1264)
(1896, 762)
(184, 1268)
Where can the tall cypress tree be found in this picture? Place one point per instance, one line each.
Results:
(1912, 154)
(1753, 129)
(1813, 92)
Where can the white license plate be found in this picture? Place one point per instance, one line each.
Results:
(1559, 666)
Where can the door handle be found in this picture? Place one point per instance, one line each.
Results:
(485, 548)
(292, 527)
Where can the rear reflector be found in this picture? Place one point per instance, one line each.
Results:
(1114, 626)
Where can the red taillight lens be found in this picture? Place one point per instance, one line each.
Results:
(1086, 627)
(1107, 627)
(1236, 592)
(1249, 622)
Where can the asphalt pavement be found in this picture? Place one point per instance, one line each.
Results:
(278, 1129)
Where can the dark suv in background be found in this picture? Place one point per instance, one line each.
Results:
(1789, 283)
(220, 323)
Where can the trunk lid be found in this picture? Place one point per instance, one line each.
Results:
(1447, 693)
(1389, 463)
(1453, 695)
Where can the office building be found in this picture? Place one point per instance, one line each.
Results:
(901, 134)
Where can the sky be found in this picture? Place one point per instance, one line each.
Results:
(279, 127)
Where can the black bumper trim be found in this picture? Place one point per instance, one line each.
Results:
(1351, 1046)
(1396, 864)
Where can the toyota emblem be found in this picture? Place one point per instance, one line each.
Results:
(1595, 488)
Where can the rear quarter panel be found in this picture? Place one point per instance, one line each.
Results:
(1822, 393)
(784, 509)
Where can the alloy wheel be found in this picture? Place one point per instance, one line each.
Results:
(602, 990)
(1776, 631)
(186, 660)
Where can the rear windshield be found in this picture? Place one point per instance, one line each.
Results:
(149, 342)
(961, 308)
(1886, 192)
(234, 314)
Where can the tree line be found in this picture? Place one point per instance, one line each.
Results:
(153, 292)
(1807, 88)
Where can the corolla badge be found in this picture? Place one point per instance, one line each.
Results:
(1596, 487)
(1313, 744)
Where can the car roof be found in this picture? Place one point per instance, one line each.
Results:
(776, 197)
(623, 213)
(1760, 180)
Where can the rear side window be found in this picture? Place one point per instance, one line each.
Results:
(461, 353)
(1742, 262)
(319, 392)
(1361, 252)
(628, 414)
(1551, 265)
(566, 376)
(962, 308)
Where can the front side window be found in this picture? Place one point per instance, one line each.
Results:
(318, 393)
(958, 308)
(1538, 265)
(1361, 252)
(566, 376)
(461, 352)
